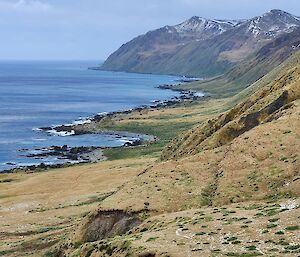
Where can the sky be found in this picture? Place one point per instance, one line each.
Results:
(92, 29)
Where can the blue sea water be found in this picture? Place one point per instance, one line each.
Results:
(36, 94)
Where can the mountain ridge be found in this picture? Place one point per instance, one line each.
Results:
(251, 69)
(198, 46)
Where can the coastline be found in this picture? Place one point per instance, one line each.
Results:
(76, 155)
(84, 155)
(86, 127)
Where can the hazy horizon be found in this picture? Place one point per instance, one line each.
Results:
(89, 30)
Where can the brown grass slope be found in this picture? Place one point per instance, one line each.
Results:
(252, 229)
(263, 164)
(252, 156)
(247, 154)
(261, 107)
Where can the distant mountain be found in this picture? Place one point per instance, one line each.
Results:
(200, 47)
(246, 72)
(271, 24)
(146, 53)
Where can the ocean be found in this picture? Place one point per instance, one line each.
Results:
(36, 94)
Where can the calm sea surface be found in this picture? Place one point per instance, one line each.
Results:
(37, 94)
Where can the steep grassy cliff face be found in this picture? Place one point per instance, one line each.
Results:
(200, 47)
(261, 107)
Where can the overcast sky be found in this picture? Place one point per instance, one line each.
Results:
(92, 29)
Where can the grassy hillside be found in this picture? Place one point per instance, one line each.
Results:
(229, 187)
(200, 58)
(255, 110)
(259, 137)
(238, 199)
(228, 183)
(243, 230)
(190, 58)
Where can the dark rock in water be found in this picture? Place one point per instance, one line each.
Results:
(11, 163)
(45, 128)
(77, 150)
(78, 154)
(82, 149)
(79, 132)
(134, 143)
(59, 148)
(98, 117)
(64, 128)
(43, 165)
(23, 150)
(72, 157)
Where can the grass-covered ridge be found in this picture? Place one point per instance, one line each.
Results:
(262, 106)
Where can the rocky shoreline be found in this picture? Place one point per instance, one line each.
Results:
(81, 155)
(71, 156)
(80, 128)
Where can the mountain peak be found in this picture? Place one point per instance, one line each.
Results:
(196, 19)
(272, 24)
(203, 27)
(279, 14)
(191, 24)
(278, 11)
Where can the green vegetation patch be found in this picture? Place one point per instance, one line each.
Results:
(150, 239)
(292, 228)
(165, 132)
(243, 254)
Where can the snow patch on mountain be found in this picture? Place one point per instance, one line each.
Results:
(199, 25)
(273, 23)
(254, 28)
(268, 25)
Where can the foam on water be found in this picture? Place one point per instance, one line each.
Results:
(40, 94)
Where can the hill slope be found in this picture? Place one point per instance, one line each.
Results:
(213, 164)
(260, 107)
(248, 155)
